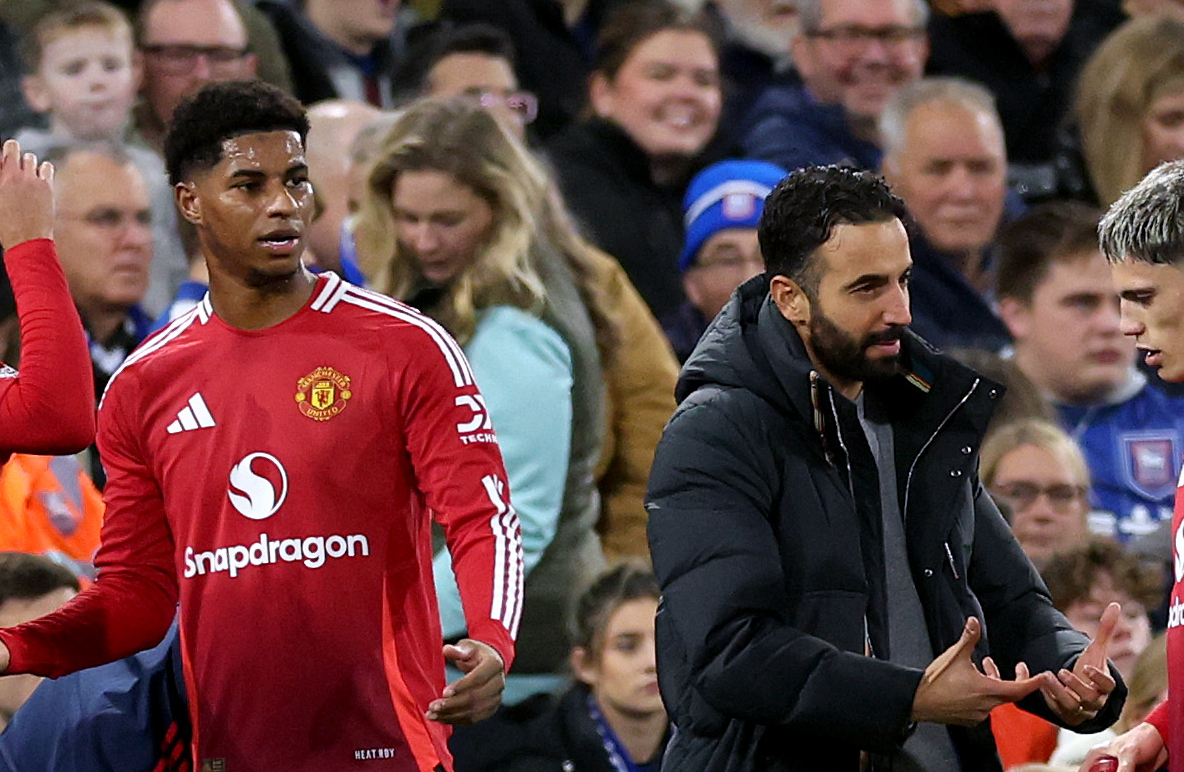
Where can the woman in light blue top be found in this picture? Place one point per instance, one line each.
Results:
(460, 221)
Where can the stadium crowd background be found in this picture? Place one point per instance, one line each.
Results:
(578, 242)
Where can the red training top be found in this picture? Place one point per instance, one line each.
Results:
(285, 478)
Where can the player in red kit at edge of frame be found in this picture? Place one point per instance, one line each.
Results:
(274, 457)
(48, 407)
(1143, 238)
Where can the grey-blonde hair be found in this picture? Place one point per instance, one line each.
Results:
(1146, 224)
(894, 119)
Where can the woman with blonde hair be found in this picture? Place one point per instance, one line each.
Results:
(1130, 104)
(459, 221)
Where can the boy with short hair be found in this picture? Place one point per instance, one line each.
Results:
(83, 72)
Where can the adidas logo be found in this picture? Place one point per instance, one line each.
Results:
(192, 417)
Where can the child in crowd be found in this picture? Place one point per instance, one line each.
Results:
(82, 74)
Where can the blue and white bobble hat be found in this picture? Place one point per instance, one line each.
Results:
(728, 194)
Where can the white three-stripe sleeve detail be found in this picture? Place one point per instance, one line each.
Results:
(461, 375)
(332, 281)
(175, 328)
(516, 555)
(406, 312)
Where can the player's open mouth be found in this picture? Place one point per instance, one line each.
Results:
(280, 241)
(1152, 356)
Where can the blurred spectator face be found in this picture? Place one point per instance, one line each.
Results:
(1047, 501)
(1131, 634)
(188, 43)
(15, 690)
(1163, 128)
(88, 79)
(862, 51)
(356, 25)
(103, 231)
(724, 262)
(1038, 25)
(1067, 339)
(441, 222)
(951, 172)
(623, 675)
(334, 125)
(489, 80)
(769, 26)
(666, 94)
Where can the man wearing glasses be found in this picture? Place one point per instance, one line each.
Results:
(186, 44)
(852, 55)
(476, 61)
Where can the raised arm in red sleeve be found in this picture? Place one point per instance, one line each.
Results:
(130, 606)
(49, 406)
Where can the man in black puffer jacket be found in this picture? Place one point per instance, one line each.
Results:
(839, 592)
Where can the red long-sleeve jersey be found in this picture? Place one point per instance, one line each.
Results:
(49, 406)
(1168, 718)
(283, 478)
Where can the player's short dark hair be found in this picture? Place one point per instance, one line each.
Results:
(27, 577)
(222, 111)
(1046, 233)
(625, 582)
(803, 210)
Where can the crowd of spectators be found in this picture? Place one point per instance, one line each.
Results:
(572, 188)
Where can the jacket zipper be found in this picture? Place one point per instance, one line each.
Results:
(908, 483)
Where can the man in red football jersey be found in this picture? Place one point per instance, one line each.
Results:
(48, 407)
(1143, 238)
(274, 458)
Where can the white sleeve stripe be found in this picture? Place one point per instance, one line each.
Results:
(406, 309)
(331, 282)
(174, 329)
(506, 606)
(500, 551)
(517, 581)
(461, 376)
(499, 566)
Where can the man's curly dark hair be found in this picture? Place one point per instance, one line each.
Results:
(221, 111)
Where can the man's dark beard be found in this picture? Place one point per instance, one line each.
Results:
(843, 356)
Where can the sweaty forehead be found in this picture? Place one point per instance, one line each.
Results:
(263, 151)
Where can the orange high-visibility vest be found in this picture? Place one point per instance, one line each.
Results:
(48, 505)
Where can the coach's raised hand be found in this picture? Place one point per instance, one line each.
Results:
(26, 197)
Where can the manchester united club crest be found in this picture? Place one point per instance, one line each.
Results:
(323, 393)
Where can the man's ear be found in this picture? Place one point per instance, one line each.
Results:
(791, 300)
(1016, 316)
(188, 202)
